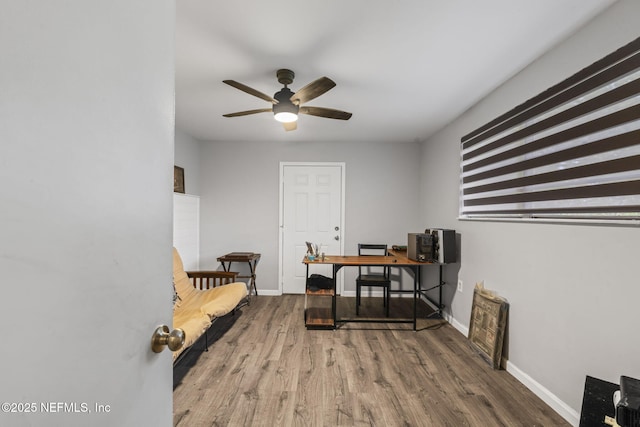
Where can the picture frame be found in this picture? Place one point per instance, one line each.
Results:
(488, 324)
(178, 179)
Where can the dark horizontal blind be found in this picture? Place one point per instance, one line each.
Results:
(573, 151)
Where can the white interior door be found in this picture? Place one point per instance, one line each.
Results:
(85, 244)
(312, 211)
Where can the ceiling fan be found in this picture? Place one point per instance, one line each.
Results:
(287, 105)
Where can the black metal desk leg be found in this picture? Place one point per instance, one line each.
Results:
(334, 305)
(416, 286)
(440, 293)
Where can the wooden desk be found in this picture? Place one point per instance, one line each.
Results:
(437, 304)
(248, 257)
(394, 259)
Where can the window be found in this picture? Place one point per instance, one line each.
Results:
(571, 152)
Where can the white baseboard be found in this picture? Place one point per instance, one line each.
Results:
(564, 410)
(459, 326)
(269, 292)
(543, 393)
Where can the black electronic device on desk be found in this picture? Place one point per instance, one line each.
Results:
(420, 247)
(444, 244)
(436, 245)
(628, 402)
(608, 404)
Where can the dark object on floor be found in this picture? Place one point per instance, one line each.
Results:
(597, 402)
(318, 281)
(628, 407)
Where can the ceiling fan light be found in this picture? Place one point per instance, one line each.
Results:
(286, 117)
(285, 111)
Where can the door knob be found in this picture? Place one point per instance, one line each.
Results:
(162, 337)
(337, 238)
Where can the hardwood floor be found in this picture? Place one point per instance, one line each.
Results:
(266, 369)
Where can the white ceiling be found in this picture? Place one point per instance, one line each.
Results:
(404, 68)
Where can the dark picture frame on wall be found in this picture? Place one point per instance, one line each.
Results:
(178, 179)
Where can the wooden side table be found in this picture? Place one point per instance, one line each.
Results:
(250, 258)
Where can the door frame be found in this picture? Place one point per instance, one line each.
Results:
(343, 167)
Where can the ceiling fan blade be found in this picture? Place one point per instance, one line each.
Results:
(290, 126)
(250, 91)
(329, 113)
(312, 90)
(246, 113)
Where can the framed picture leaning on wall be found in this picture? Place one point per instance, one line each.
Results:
(488, 324)
(178, 179)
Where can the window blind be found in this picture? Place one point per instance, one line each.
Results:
(572, 151)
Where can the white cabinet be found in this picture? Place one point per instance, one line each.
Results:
(186, 229)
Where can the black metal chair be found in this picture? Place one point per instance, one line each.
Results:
(373, 276)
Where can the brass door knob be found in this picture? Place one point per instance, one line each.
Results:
(162, 337)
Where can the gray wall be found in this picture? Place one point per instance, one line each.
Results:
(187, 156)
(573, 289)
(239, 196)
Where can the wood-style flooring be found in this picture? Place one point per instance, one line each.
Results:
(264, 368)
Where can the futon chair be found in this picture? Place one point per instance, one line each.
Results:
(202, 297)
(373, 276)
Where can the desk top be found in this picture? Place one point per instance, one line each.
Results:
(240, 256)
(371, 260)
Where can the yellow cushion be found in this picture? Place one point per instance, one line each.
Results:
(193, 323)
(182, 283)
(197, 308)
(217, 302)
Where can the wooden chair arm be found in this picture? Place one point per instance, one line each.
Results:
(210, 279)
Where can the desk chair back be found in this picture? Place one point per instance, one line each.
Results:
(373, 276)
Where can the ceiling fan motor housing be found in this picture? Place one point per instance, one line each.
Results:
(285, 76)
(284, 104)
